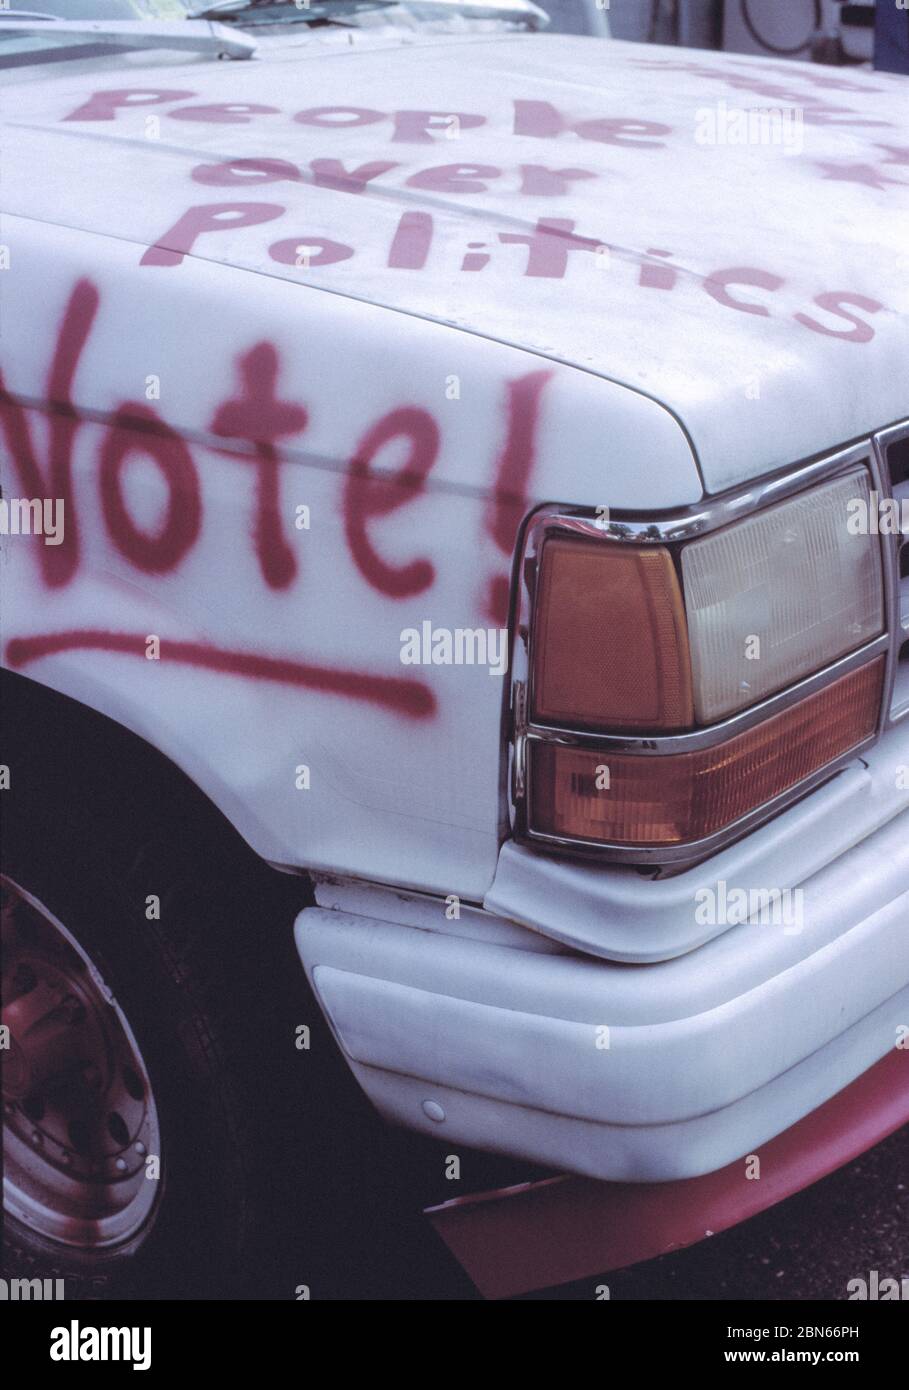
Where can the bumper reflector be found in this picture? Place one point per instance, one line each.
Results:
(620, 799)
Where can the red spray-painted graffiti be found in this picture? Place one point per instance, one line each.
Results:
(514, 469)
(137, 429)
(366, 495)
(396, 693)
(549, 244)
(548, 240)
(534, 180)
(539, 119)
(257, 417)
(58, 563)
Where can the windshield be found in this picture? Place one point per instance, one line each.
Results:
(245, 12)
(248, 13)
(99, 9)
(54, 31)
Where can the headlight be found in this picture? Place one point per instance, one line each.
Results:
(778, 595)
(647, 656)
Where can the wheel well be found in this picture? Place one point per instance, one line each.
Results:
(47, 735)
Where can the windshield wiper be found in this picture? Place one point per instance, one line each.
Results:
(260, 11)
(324, 11)
(195, 35)
(518, 11)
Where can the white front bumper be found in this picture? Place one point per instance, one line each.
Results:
(710, 1054)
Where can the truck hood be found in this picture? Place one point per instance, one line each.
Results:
(620, 208)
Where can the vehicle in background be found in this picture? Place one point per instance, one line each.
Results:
(827, 30)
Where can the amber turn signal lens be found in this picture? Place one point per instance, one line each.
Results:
(644, 800)
(610, 639)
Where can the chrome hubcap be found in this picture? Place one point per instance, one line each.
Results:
(79, 1116)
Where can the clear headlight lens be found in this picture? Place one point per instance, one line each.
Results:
(780, 594)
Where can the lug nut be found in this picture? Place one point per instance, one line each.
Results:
(73, 1010)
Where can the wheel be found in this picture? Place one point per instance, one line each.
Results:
(83, 1138)
(148, 1023)
(168, 1030)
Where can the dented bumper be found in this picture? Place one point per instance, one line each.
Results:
(501, 1038)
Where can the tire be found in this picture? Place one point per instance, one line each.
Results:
(209, 992)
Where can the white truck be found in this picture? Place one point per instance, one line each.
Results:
(465, 469)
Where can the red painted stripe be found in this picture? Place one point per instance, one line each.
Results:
(398, 693)
(538, 1235)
